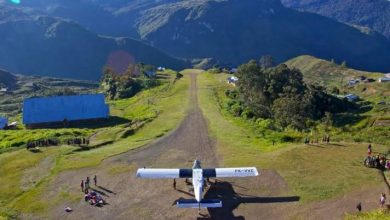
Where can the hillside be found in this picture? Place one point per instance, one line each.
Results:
(327, 73)
(194, 29)
(374, 96)
(113, 18)
(21, 87)
(372, 14)
(7, 79)
(49, 46)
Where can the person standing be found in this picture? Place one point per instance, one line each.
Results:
(87, 182)
(382, 200)
(82, 185)
(359, 207)
(369, 150)
(95, 180)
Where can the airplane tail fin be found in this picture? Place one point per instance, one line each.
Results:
(205, 203)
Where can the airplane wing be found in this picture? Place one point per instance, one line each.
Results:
(231, 172)
(163, 173)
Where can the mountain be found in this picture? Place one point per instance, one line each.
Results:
(54, 47)
(235, 31)
(113, 18)
(227, 31)
(372, 14)
(7, 79)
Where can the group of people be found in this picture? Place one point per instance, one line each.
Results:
(325, 139)
(382, 202)
(47, 142)
(93, 197)
(85, 184)
(42, 143)
(78, 141)
(377, 161)
(206, 182)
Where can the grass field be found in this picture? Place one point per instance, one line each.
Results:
(160, 108)
(314, 172)
(374, 215)
(326, 73)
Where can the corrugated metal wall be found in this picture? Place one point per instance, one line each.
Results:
(3, 122)
(59, 108)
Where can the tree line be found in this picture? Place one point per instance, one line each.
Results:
(127, 84)
(279, 93)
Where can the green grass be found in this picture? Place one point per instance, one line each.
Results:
(166, 103)
(252, 136)
(312, 172)
(373, 215)
(326, 73)
(363, 128)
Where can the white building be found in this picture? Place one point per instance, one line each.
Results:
(232, 80)
(383, 80)
(352, 97)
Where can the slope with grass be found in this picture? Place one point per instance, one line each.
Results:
(320, 174)
(327, 73)
(370, 122)
(157, 115)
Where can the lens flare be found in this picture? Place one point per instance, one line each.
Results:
(119, 61)
(16, 1)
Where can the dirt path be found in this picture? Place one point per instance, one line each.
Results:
(263, 197)
(131, 198)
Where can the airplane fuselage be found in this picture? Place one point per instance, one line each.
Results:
(197, 183)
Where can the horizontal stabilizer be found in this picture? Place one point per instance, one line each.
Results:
(205, 203)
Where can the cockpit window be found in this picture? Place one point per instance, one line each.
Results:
(196, 164)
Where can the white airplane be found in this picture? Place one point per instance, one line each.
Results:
(198, 175)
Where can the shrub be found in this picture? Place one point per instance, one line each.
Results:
(236, 109)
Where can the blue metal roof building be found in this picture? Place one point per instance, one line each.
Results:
(64, 108)
(3, 122)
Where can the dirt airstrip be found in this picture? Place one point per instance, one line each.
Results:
(264, 197)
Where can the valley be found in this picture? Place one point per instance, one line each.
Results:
(172, 138)
(299, 90)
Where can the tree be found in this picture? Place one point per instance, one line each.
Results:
(266, 61)
(280, 93)
(133, 71)
(251, 86)
(335, 90)
(344, 64)
(118, 86)
(109, 82)
(290, 111)
(328, 121)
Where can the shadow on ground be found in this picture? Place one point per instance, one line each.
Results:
(231, 200)
(92, 124)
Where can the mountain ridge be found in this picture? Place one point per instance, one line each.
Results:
(373, 14)
(42, 45)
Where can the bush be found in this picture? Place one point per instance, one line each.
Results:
(265, 124)
(236, 109)
(227, 104)
(247, 113)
